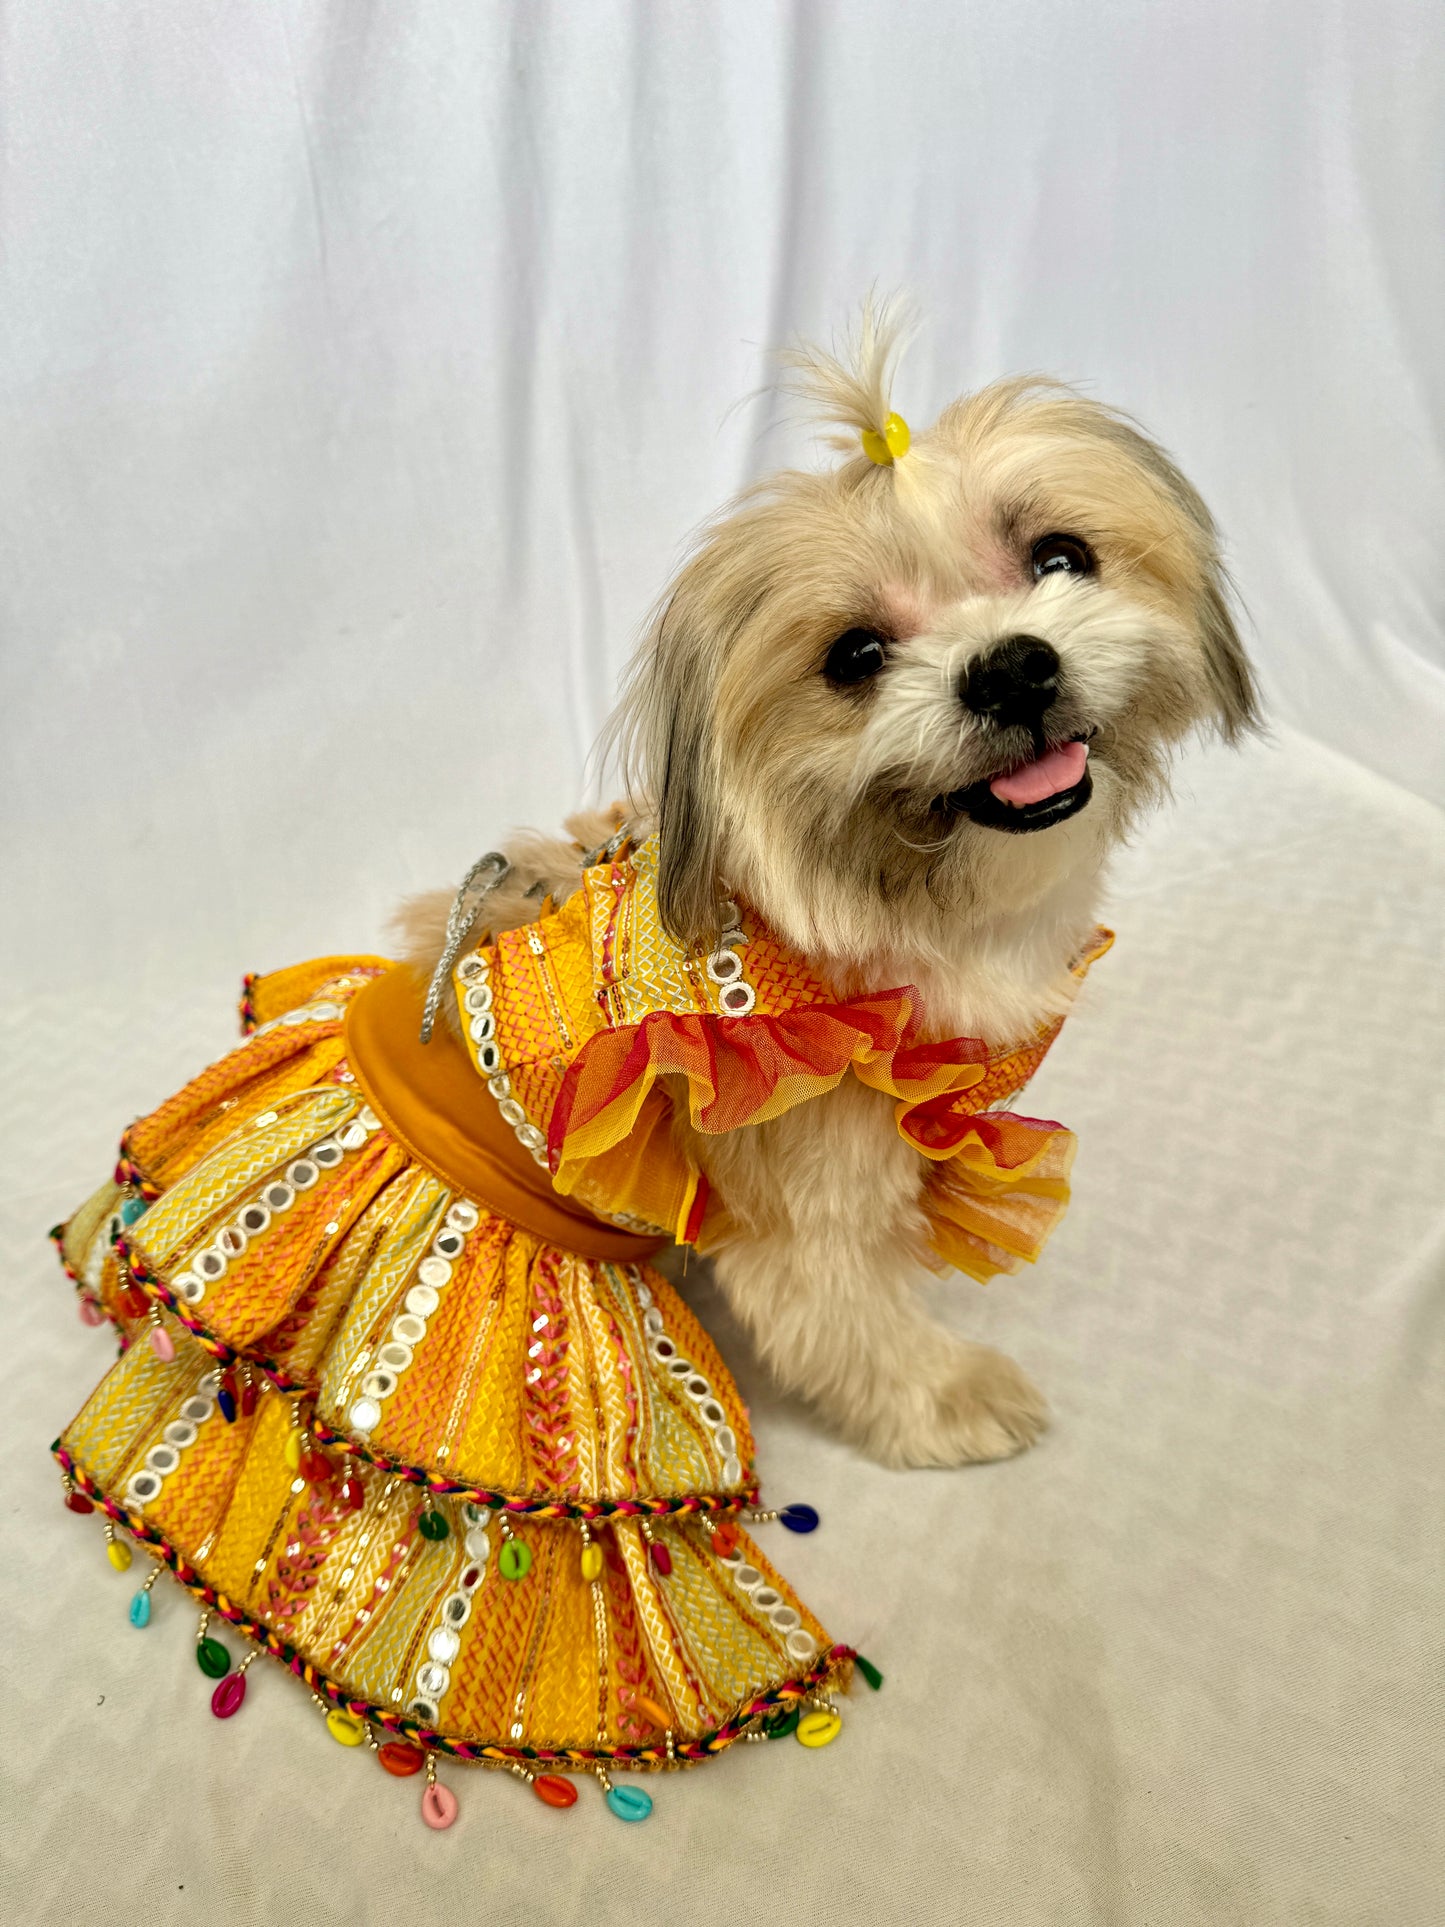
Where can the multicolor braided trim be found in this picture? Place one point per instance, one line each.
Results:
(833, 1668)
(129, 1174)
(532, 1506)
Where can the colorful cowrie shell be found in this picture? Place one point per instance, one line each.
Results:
(438, 1807)
(228, 1696)
(212, 1658)
(629, 1802)
(553, 1791)
(818, 1728)
(515, 1560)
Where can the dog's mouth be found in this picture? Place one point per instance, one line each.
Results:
(1047, 789)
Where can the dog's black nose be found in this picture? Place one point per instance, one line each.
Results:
(1014, 682)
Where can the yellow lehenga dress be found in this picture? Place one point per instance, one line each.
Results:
(401, 1400)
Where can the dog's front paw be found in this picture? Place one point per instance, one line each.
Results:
(974, 1404)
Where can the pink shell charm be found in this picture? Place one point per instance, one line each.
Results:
(438, 1806)
(91, 1313)
(228, 1696)
(162, 1344)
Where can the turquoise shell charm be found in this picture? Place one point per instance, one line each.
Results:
(629, 1802)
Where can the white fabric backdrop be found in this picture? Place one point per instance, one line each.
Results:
(363, 368)
(366, 365)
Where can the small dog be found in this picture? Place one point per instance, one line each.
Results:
(905, 709)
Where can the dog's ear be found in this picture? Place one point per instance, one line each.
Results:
(663, 730)
(1231, 679)
(688, 826)
(688, 888)
(1235, 705)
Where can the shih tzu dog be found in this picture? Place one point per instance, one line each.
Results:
(905, 708)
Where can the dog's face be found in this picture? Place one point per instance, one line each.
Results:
(882, 700)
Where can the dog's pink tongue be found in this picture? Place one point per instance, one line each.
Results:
(1057, 769)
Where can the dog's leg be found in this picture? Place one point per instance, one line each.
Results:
(820, 1271)
(843, 1328)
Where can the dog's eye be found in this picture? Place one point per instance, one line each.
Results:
(1062, 555)
(855, 657)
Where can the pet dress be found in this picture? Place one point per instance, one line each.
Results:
(402, 1402)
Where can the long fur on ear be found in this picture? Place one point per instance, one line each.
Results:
(1236, 694)
(662, 731)
(688, 887)
(1231, 679)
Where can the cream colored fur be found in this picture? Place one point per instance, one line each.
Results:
(819, 808)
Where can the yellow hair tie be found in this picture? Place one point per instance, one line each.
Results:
(886, 448)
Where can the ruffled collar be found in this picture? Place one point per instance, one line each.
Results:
(754, 1031)
(574, 1019)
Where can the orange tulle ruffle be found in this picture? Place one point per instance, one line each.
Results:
(998, 1182)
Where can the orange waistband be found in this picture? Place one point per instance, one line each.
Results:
(431, 1100)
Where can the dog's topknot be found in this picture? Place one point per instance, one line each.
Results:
(847, 388)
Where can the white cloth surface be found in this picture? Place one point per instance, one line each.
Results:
(361, 371)
(1179, 1664)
